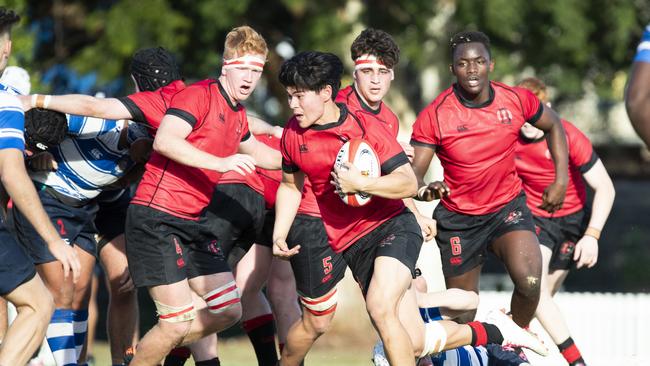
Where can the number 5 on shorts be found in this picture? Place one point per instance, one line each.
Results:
(456, 249)
(327, 264)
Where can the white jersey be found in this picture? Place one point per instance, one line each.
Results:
(89, 158)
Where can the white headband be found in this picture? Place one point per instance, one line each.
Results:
(253, 62)
(370, 62)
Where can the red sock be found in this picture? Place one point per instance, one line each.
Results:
(570, 352)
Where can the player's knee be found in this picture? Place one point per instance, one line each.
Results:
(529, 286)
(321, 310)
(225, 304)
(380, 311)
(175, 320)
(318, 324)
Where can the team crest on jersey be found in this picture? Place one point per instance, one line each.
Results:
(514, 217)
(303, 148)
(222, 118)
(505, 116)
(462, 128)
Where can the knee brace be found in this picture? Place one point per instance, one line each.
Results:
(222, 298)
(435, 338)
(175, 314)
(322, 306)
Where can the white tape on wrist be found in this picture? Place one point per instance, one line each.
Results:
(421, 192)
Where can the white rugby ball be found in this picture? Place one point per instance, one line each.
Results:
(363, 157)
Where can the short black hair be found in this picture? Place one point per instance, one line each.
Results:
(469, 37)
(7, 19)
(312, 70)
(378, 43)
(153, 68)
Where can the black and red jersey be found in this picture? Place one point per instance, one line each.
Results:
(150, 106)
(356, 105)
(536, 169)
(476, 144)
(270, 179)
(252, 179)
(218, 126)
(313, 151)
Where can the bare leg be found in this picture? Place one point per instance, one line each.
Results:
(4, 319)
(123, 305)
(34, 306)
(548, 313)
(468, 281)
(281, 290)
(519, 251)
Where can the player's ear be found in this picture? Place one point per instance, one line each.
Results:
(326, 93)
(451, 69)
(491, 65)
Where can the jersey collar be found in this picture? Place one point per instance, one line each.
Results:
(327, 126)
(470, 104)
(234, 107)
(363, 103)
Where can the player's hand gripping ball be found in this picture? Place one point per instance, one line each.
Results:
(360, 154)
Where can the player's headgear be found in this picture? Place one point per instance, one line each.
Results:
(153, 68)
(469, 37)
(44, 128)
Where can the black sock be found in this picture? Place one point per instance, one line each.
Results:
(261, 332)
(212, 362)
(177, 356)
(570, 352)
(484, 333)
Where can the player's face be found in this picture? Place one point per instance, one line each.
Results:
(531, 132)
(471, 66)
(5, 50)
(240, 81)
(373, 84)
(308, 106)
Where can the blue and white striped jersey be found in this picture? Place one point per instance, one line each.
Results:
(12, 119)
(89, 158)
(643, 50)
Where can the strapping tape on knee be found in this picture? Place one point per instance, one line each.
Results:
(222, 298)
(321, 306)
(435, 338)
(174, 314)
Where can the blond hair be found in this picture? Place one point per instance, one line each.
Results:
(536, 86)
(242, 41)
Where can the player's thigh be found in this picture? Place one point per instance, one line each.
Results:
(31, 293)
(520, 252)
(253, 269)
(113, 258)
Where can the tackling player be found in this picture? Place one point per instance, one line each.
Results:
(637, 95)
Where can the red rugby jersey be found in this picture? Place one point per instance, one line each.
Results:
(217, 128)
(150, 106)
(252, 179)
(536, 169)
(476, 144)
(313, 151)
(270, 178)
(351, 99)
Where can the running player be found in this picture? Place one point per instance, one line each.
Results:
(473, 126)
(170, 246)
(381, 234)
(637, 95)
(21, 285)
(570, 235)
(317, 268)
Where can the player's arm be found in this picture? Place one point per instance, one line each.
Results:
(586, 253)
(78, 104)
(399, 183)
(452, 302)
(21, 189)
(286, 206)
(265, 156)
(550, 123)
(170, 141)
(422, 155)
(637, 99)
(259, 126)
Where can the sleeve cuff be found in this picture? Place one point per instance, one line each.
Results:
(393, 163)
(136, 112)
(423, 144)
(245, 137)
(588, 165)
(289, 168)
(540, 110)
(185, 116)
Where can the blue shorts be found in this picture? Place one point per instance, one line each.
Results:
(16, 266)
(74, 224)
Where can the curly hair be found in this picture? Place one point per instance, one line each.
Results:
(378, 43)
(244, 40)
(536, 86)
(312, 70)
(469, 37)
(7, 19)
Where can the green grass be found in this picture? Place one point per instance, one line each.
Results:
(239, 352)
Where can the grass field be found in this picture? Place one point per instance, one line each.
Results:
(238, 352)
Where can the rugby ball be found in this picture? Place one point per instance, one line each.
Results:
(363, 157)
